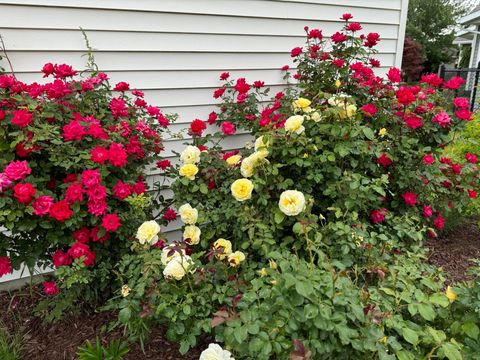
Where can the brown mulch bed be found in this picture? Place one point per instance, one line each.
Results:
(455, 250)
(61, 339)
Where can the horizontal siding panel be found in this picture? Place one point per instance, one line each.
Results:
(92, 19)
(31, 61)
(378, 4)
(72, 40)
(243, 8)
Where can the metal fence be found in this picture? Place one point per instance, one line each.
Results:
(471, 77)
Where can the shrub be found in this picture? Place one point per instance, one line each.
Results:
(73, 158)
(308, 241)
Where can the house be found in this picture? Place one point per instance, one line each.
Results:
(174, 50)
(469, 38)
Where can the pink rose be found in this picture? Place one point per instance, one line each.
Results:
(17, 170)
(228, 128)
(41, 206)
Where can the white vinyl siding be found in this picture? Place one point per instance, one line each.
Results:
(174, 50)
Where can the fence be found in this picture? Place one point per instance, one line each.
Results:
(471, 77)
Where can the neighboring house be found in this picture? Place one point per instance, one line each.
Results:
(470, 36)
(174, 50)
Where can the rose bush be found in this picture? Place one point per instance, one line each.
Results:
(308, 242)
(73, 158)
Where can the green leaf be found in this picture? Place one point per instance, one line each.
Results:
(368, 133)
(410, 335)
(451, 351)
(124, 315)
(279, 216)
(303, 289)
(439, 299)
(426, 311)
(471, 329)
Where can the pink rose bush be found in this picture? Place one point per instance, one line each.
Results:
(73, 158)
(307, 243)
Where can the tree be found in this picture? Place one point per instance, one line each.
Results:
(412, 64)
(431, 24)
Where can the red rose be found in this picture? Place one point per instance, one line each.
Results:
(431, 79)
(471, 158)
(218, 93)
(258, 84)
(197, 126)
(394, 75)
(456, 168)
(41, 206)
(439, 222)
(338, 37)
(61, 211)
(375, 63)
(371, 40)
(369, 109)
(74, 193)
(428, 159)
(50, 288)
(22, 118)
(472, 194)
(285, 67)
(315, 34)
(241, 86)
(169, 214)
(24, 193)
(211, 185)
(338, 62)
(212, 118)
(354, 27)
(427, 211)
(97, 193)
(461, 102)
(442, 119)
(17, 170)
(139, 188)
(117, 155)
(296, 51)
(346, 17)
(78, 250)
(454, 83)
(378, 216)
(405, 95)
(384, 160)
(59, 258)
(63, 71)
(97, 207)
(410, 198)
(164, 164)
(99, 154)
(121, 86)
(111, 222)
(118, 107)
(82, 235)
(47, 69)
(5, 266)
(413, 122)
(95, 238)
(464, 114)
(228, 128)
(122, 190)
(224, 75)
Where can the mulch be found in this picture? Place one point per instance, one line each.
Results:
(60, 340)
(453, 253)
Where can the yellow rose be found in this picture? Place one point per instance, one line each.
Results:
(295, 124)
(125, 290)
(260, 144)
(168, 254)
(450, 294)
(191, 234)
(189, 171)
(338, 100)
(316, 117)
(177, 267)
(292, 202)
(338, 83)
(382, 132)
(188, 214)
(301, 103)
(234, 160)
(191, 155)
(242, 189)
(223, 245)
(347, 111)
(148, 232)
(234, 259)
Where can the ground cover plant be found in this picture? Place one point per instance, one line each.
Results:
(308, 243)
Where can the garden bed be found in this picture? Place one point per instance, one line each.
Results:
(60, 340)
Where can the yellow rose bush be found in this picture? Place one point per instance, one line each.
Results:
(307, 242)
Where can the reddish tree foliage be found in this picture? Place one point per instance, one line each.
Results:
(412, 64)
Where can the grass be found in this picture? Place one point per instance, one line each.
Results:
(11, 344)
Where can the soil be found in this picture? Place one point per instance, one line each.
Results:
(61, 339)
(453, 252)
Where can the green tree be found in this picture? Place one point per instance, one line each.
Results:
(431, 23)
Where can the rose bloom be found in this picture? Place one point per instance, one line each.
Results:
(228, 128)
(405, 95)
(99, 154)
(78, 250)
(464, 114)
(369, 109)
(164, 164)
(471, 158)
(17, 170)
(472, 194)
(96, 238)
(41, 206)
(454, 83)
(410, 198)
(188, 214)
(73, 131)
(177, 267)
(461, 102)
(354, 27)
(121, 86)
(24, 193)
(338, 37)
(212, 118)
(294, 124)
(242, 189)
(384, 160)
(242, 86)
(5, 266)
(224, 75)
(439, 222)
(189, 171)
(60, 211)
(169, 214)
(197, 126)
(292, 202)
(82, 235)
(122, 190)
(427, 211)
(428, 159)
(50, 288)
(148, 232)
(191, 234)
(215, 352)
(22, 118)
(413, 122)
(117, 155)
(442, 119)
(74, 193)
(111, 222)
(59, 258)
(218, 93)
(296, 51)
(378, 216)
(394, 75)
